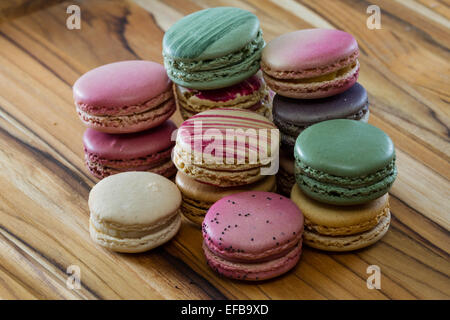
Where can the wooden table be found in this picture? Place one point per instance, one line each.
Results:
(44, 185)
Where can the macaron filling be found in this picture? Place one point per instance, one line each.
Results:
(342, 189)
(245, 95)
(339, 74)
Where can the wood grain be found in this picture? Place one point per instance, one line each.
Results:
(44, 185)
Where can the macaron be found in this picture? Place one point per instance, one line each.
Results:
(124, 97)
(134, 211)
(292, 116)
(311, 63)
(342, 228)
(251, 94)
(253, 235)
(227, 147)
(149, 150)
(344, 162)
(286, 173)
(199, 197)
(213, 48)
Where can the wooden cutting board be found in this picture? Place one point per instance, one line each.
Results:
(44, 185)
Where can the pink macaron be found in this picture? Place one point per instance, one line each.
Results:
(251, 94)
(253, 235)
(311, 63)
(124, 97)
(150, 150)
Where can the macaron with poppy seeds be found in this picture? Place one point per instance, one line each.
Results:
(227, 147)
(213, 48)
(344, 162)
(149, 150)
(251, 94)
(292, 116)
(124, 97)
(342, 228)
(134, 211)
(199, 197)
(311, 63)
(253, 235)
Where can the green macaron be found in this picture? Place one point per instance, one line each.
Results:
(213, 48)
(344, 162)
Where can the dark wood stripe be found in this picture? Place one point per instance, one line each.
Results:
(45, 257)
(194, 278)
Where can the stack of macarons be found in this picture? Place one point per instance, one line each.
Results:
(336, 167)
(344, 170)
(213, 58)
(126, 106)
(314, 74)
(221, 152)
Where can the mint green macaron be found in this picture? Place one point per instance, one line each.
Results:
(213, 48)
(344, 162)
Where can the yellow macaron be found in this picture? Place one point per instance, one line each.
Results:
(342, 228)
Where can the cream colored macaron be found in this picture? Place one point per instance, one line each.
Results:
(342, 228)
(134, 211)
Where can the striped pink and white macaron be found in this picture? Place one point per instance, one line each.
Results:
(227, 147)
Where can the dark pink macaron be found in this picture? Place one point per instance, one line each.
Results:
(149, 150)
(124, 97)
(253, 235)
(251, 94)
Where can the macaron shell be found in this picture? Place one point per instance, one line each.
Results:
(348, 243)
(136, 245)
(134, 198)
(100, 170)
(344, 148)
(119, 84)
(253, 271)
(129, 146)
(199, 36)
(301, 112)
(252, 225)
(309, 53)
(222, 120)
